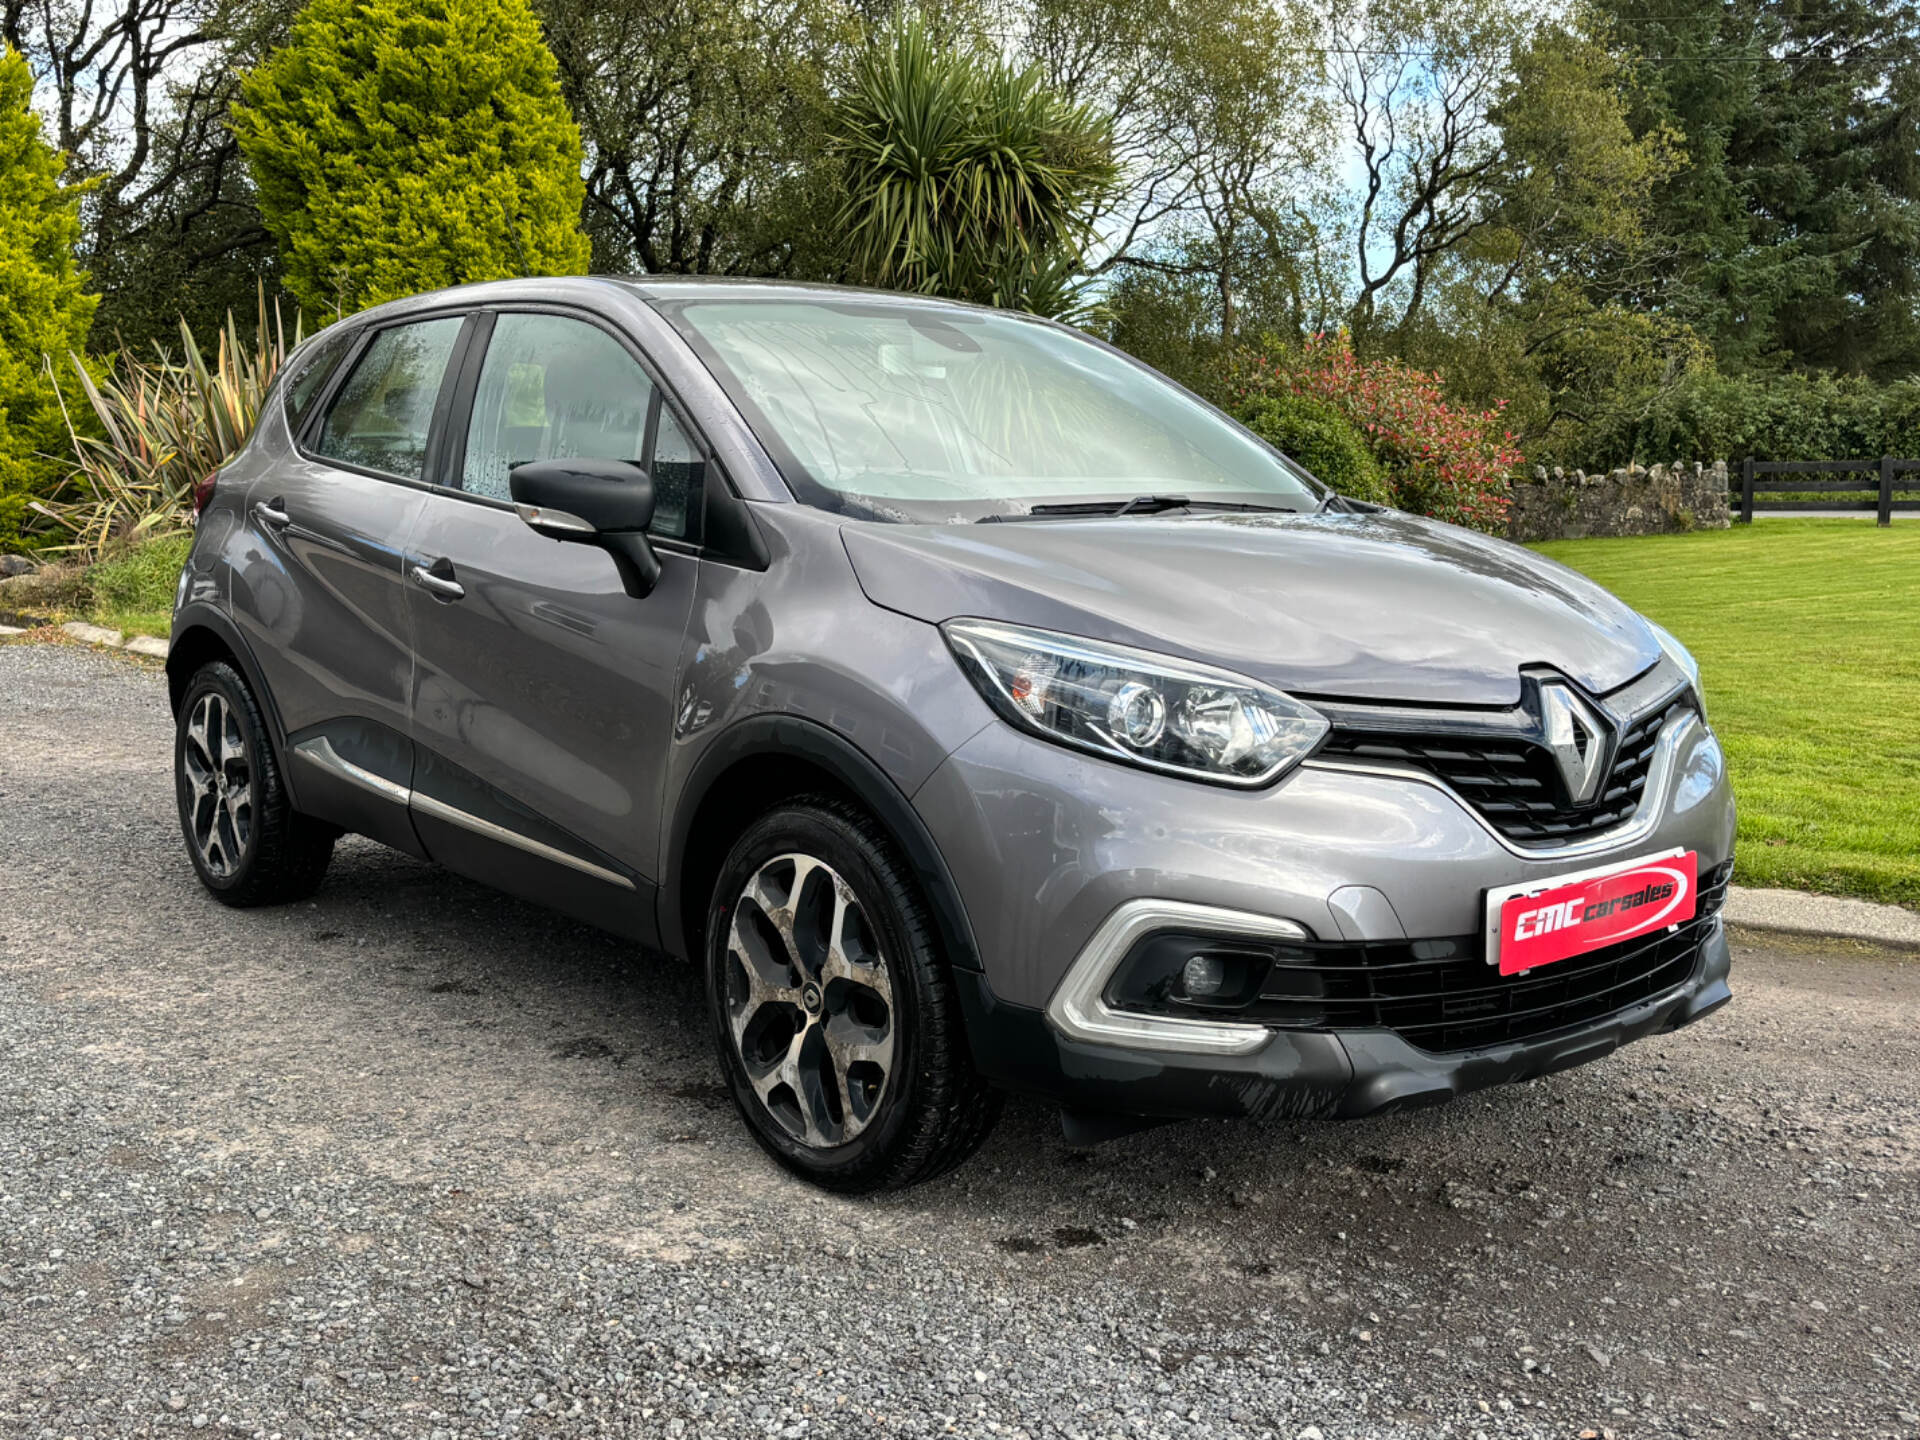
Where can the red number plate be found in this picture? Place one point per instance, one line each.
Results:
(1533, 925)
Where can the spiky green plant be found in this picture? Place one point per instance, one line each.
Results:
(967, 177)
(164, 426)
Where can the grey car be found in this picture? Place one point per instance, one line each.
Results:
(982, 711)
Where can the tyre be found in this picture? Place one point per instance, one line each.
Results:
(248, 844)
(835, 1015)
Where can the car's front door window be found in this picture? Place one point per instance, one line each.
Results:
(553, 388)
(381, 417)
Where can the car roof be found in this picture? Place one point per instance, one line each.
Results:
(651, 289)
(689, 287)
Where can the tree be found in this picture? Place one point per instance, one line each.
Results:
(1416, 81)
(196, 249)
(1794, 224)
(1535, 305)
(44, 308)
(404, 145)
(1220, 148)
(136, 94)
(967, 177)
(705, 124)
(1168, 303)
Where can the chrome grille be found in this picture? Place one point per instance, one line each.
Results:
(1507, 773)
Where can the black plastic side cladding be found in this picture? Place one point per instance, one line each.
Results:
(791, 737)
(184, 656)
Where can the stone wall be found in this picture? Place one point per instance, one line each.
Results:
(1568, 505)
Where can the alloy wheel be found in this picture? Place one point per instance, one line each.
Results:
(809, 1001)
(219, 775)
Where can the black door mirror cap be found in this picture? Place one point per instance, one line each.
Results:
(609, 495)
(608, 503)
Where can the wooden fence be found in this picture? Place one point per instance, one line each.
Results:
(1877, 486)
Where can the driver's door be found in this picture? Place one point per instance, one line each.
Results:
(542, 704)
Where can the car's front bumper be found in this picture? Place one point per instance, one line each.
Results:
(1048, 849)
(1338, 1074)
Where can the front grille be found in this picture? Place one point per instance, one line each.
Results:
(1441, 995)
(1512, 780)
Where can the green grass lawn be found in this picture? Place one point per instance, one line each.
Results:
(1808, 638)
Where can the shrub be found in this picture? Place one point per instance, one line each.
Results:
(1439, 459)
(1708, 416)
(405, 145)
(164, 426)
(43, 308)
(1320, 438)
(141, 578)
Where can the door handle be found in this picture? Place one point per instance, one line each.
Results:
(273, 513)
(440, 586)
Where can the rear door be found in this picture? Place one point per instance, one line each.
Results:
(543, 692)
(321, 597)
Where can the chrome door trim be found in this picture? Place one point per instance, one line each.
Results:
(453, 815)
(319, 751)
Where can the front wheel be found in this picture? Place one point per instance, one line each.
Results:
(248, 844)
(835, 1016)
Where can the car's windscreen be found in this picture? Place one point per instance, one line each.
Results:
(908, 411)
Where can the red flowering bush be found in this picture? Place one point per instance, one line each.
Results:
(1439, 460)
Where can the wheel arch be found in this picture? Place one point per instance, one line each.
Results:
(759, 762)
(201, 635)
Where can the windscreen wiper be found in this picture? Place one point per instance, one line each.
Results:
(1247, 507)
(1066, 510)
(1138, 505)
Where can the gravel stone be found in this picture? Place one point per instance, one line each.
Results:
(252, 1164)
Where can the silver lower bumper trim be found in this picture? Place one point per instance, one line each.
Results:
(1079, 1010)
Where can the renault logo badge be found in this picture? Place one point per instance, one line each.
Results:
(1577, 739)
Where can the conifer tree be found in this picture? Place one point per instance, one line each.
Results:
(405, 145)
(44, 308)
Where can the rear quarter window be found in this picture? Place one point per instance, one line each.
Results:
(307, 375)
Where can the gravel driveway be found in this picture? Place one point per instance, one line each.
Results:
(414, 1159)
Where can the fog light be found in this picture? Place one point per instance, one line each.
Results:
(1204, 976)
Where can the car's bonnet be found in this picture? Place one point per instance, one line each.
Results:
(1380, 606)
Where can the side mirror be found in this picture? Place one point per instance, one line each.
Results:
(608, 503)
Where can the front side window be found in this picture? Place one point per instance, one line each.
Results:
(903, 410)
(553, 388)
(381, 417)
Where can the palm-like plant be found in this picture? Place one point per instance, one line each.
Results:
(967, 177)
(164, 425)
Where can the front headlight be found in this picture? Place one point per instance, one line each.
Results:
(1135, 706)
(1680, 656)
